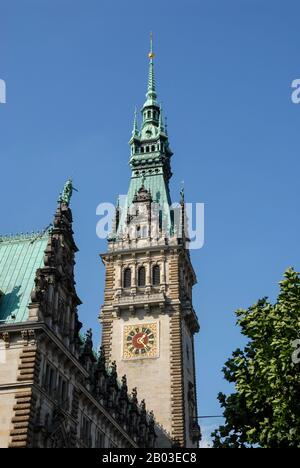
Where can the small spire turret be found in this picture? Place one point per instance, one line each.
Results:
(135, 130)
(161, 120)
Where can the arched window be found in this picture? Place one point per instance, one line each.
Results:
(142, 277)
(127, 278)
(156, 275)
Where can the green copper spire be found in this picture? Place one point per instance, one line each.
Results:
(150, 155)
(151, 91)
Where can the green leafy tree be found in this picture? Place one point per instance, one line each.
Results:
(264, 411)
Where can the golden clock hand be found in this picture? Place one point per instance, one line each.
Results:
(142, 339)
(144, 344)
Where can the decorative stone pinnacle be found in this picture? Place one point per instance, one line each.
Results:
(135, 131)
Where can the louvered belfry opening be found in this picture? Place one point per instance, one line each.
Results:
(156, 275)
(142, 277)
(127, 278)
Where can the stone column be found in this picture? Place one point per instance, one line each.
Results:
(148, 273)
(119, 275)
(163, 271)
(133, 274)
(133, 278)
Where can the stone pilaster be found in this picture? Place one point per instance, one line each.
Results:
(107, 328)
(25, 406)
(177, 379)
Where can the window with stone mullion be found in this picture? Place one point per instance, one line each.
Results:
(156, 275)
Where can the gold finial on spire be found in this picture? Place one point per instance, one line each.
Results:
(151, 54)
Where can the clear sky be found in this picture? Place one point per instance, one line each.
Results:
(75, 69)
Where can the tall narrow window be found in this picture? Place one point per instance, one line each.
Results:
(127, 278)
(156, 275)
(86, 427)
(63, 393)
(160, 219)
(50, 379)
(100, 439)
(142, 277)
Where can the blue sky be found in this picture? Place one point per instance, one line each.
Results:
(76, 69)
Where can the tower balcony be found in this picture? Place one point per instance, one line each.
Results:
(125, 245)
(144, 301)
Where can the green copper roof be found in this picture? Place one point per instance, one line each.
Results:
(20, 257)
(159, 190)
(155, 184)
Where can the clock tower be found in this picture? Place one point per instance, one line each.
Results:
(148, 320)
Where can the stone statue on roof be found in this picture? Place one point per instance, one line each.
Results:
(182, 195)
(67, 193)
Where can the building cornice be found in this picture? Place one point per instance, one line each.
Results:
(41, 326)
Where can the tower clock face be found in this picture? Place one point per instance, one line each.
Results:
(140, 341)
